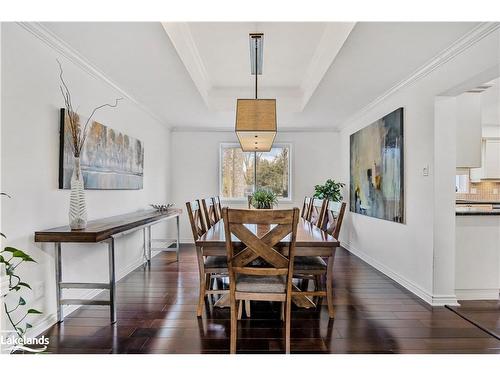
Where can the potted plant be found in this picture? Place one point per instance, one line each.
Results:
(264, 198)
(331, 190)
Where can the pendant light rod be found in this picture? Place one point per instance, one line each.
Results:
(256, 67)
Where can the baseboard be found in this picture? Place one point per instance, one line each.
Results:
(437, 300)
(477, 294)
(51, 319)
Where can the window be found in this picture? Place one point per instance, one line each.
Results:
(241, 173)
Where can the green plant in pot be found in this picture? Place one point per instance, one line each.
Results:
(330, 190)
(263, 198)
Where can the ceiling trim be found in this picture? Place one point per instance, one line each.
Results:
(194, 129)
(182, 39)
(330, 43)
(329, 46)
(456, 48)
(64, 49)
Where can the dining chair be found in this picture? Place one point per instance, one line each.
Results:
(218, 206)
(306, 208)
(314, 267)
(317, 211)
(269, 279)
(209, 267)
(210, 212)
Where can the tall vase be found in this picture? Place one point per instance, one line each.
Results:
(77, 207)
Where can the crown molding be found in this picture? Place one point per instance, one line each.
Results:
(64, 49)
(460, 45)
(198, 129)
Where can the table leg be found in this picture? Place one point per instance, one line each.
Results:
(145, 244)
(178, 238)
(302, 301)
(58, 267)
(112, 280)
(223, 301)
(149, 245)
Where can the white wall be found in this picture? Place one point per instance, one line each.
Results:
(29, 161)
(195, 165)
(410, 253)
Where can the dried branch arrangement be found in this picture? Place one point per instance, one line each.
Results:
(78, 135)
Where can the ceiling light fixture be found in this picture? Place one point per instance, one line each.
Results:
(256, 118)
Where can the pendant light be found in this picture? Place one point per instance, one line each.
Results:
(256, 118)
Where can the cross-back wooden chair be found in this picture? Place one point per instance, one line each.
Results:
(314, 267)
(208, 266)
(306, 207)
(271, 278)
(317, 211)
(210, 210)
(218, 206)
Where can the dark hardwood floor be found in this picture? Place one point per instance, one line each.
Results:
(157, 314)
(485, 314)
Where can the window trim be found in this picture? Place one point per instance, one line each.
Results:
(244, 199)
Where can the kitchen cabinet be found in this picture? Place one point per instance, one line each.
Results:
(490, 162)
(492, 159)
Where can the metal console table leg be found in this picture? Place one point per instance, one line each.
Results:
(58, 263)
(112, 280)
(178, 238)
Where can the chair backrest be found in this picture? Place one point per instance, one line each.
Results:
(210, 212)
(218, 206)
(332, 219)
(272, 226)
(196, 219)
(306, 207)
(317, 211)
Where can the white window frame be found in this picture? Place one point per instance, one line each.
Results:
(244, 199)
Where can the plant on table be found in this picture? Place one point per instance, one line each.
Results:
(330, 190)
(264, 198)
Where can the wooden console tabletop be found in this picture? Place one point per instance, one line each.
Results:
(102, 229)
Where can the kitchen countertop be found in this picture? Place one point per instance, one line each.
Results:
(476, 211)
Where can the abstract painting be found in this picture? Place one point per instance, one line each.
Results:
(110, 160)
(377, 169)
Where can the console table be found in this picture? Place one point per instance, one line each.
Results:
(103, 230)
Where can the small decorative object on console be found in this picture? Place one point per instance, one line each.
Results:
(162, 207)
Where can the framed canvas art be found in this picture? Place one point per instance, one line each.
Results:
(377, 169)
(110, 160)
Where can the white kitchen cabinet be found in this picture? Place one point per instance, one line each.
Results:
(492, 159)
(490, 162)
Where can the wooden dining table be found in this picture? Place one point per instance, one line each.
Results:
(310, 241)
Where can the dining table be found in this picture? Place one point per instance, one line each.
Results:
(310, 241)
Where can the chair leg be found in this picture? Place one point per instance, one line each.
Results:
(201, 298)
(234, 325)
(240, 309)
(288, 314)
(318, 285)
(247, 308)
(329, 288)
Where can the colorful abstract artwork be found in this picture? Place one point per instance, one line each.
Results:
(377, 169)
(110, 160)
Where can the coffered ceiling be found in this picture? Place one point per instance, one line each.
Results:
(296, 57)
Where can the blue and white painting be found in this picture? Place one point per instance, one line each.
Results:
(377, 169)
(110, 160)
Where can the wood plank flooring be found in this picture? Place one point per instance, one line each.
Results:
(485, 313)
(157, 314)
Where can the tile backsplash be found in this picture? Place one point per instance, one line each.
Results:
(482, 191)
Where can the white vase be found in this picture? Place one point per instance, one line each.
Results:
(77, 206)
